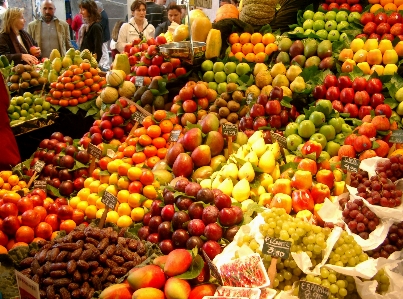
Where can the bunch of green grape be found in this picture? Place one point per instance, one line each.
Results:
(383, 282)
(346, 252)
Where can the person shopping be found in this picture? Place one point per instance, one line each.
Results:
(137, 27)
(174, 15)
(15, 43)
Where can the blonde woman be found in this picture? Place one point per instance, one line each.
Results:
(15, 43)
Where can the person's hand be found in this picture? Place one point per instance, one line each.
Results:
(30, 59)
(35, 51)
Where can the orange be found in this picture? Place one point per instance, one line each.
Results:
(166, 126)
(5, 174)
(133, 141)
(235, 48)
(258, 48)
(138, 157)
(150, 151)
(146, 177)
(73, 67)
(390, 7)
(150, 192)
(256, 38)
(161, 152)
(400, 7)
(159, 142)
(6, 186)
(140, 131)
(160, 115)
(240, 56)
(233, 38)
(24, 234)
(384, 2)
(68, 226)
(148, 121)
(152, 161)
(260, 57)
(270, 48)
(54, 235)
(154, 131)
(3, 239)
(398, 2)
(85, 65)
(13, 180)
(145, 140)
(77, 71)
(247, 48)
(166, 136)
(3, 250)
(93, 71)
(129, 151)
(375, 8)
(268, 38)
(245, 38)
(250, 57)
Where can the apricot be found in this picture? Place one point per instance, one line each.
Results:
(390, 57)
(374, 56)
(348, 66)
(346, 54)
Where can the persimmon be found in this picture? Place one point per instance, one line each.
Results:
(85, 65)
(69, 86)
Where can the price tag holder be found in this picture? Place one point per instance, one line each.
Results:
(276, 248)
(396, 137)
(174, 136)
(229, 129)
(139, 81)
(94, 151)
(40, 184)
(39, 166)
(350, 164)
(138, 117)
(27, 288)
(213, 268)
(109, 200)
(309, 290)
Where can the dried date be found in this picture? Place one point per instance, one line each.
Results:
(141, 249)
(27, 272)
(128, 255)
(32, 252)
(119, 271)
(66, 246)
(111, 264)
(71, 266)
(85, 290)
(118, 259)
(58, 273)
(75, 255)
(77, 235)
(106, 273)
(50, 292)
(62, 255)
(42, 255)
(103, 244)
(73, 286)
(42, 293)
(92, 241)
(76, 293)
(80, 243)
(36, 278)
(53, 253)
(26, 262)
(96, 282)
(77, 276)
(91, 293)
(129, 265)
(110, 250)
(111, 278)
(102, 258)
(86, 276)
(46, 268)
(35, 266)
(82, 265)
(62, 282)
(64, 293)
(86, 254)
(113, 237)
(98, 271)
(132, 245)
(122, 232)
(58, 266)
(47, 281)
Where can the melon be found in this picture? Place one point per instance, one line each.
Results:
(181, 33)
(195, 14)
(115, 77)
(109, 95)
(200, 29)
(127, 89)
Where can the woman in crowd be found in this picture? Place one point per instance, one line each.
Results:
(174, 15)
(115, 34)
(91, 29)
(16, 43)
(137, 27)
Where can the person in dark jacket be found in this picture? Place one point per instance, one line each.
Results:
(92, 37)
(15, 43)
(104, 62)
(174, 15)
(156, 14)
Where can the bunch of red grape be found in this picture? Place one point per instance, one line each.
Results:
(393, 242)
(359, 218)
(392, 168)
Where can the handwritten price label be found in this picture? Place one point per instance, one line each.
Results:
(39, 166)
(139, 81)
(94, 151)
(138, 116)
(309, 290)
(276, 248)
(282, 141)
(109, 200)
(28, 289)
(229, 129)
(249, 99)
(350, 164)
(174, 136)
(40, 184)
(397, 136)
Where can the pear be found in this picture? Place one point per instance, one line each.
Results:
(275, 149)
(257, 191)
(206, 183)
(252, 158)
(267, 162)
(255, 136)
(245, 205)
(241, 190)
(230, 171)
(289, 158)
(240, 153)
(278, 69)
(259, 147)
(259, 67)
(226, 187)
(292, 72)
(266, 180)
(246, 172)
(217, 181)
(298, 85)
(275, 174)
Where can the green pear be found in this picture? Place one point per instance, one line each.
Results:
(246, 172)
(241, 190)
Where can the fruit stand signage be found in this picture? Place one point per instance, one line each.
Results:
(350, 164)
(174, 136)
(309, 290)
(282, 141)
(213, 268)
(40, 184)
(276, 248)
(94, 151)
(109, 200)
(139, 81)
(229, 129)
(249, 98)
(138, 116)
(397, 136)
(27, 288)
(39, 166)
(203, 3)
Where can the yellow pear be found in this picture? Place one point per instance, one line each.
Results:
(275, 174)
(289, 158)
(206, 183)
(266, 180)
(246, 172)
(259, 67)
(229, 171)
(241, 190)
(293, 72)
(226, 187)
(257, 191)
(298, 85)
(265, 199)
(377, 68)
(370, 44)
(245, 204)
(217, 181)
(252, 158)
(259, 147)
(275, 149)
(399, 95)
(390, 69)
(384, 45)
(280, 80)
(364, 67)
(278, 69)
(267, 162)
(255, 136)
(357, 44)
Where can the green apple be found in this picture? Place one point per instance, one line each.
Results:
(38, 101)
(298, 30)
(306, 129)
(293, 141)
(213, 85)
(17, 108)
(341, 16)
(231, 78)
(319, 138)
(27, 94)
(291, 128)
(324, 156)
(220, 77)
(333, 35)
(208, 76)
(230, 67)
(10, 109)
(341, 25)
(322, 34)
(300, 118)
(218, 67)
(317, 118)
(336, 122)
(309, 31)
(242, 68)
(308, 14)
(330, 16)
(354, 16)
(221, 88)
(20, 100)
(324, 106)
(332, 148)
(328, 131)
(31, 111)
(308, 24)
(395, 116)
(346, 129)
(24, 113)
(14, 102)
(318, 25)
(46, 105)
(331, 25)
(343, 37)
(319, 16)
(207, 65)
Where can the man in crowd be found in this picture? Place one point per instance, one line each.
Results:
(50, 32)
(161, 2)
(104, 62)
(156, 14)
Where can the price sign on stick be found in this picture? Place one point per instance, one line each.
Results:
(309, 290)
(249, 99)
(174, 136)
(396, 137)
(95, 153)
(139, 81)
(213, 268)
(138, 117)
(40, 184)
(350, 164)
(229, 130)
(276, 248)
(27, 288)
(37, 169)
(110, 201)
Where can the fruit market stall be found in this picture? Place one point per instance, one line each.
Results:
(256, 164)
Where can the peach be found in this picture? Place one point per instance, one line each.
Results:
(178, 262)
(346, 151)
(149, 276)
(374, 57)
(383, 149)
(302, 179)
(399, 48)
(350, 139)
(202, 290)
(367, 129)
(367, 154)
(390, 57)
(362, 143)
(176, 288)
(346, 54)
(148, 293)
(381, 123)
(118, 291)
(348, 66)
(281, 200)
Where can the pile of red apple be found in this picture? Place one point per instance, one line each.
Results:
(60, 155)
(268, 111)
(350, 5)
(358, 97)
(198, 218)
(381, 26)
(146, 60)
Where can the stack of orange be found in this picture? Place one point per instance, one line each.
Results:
(151, 140)
(10, 181)
(253, 47)
(76, 85)
(387, 5)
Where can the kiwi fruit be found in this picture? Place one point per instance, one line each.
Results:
(244, 111)
(24, 85)
(223, 121)
(34, 82)
(19, 69)
(223, 112)
(14, 87)
(226, 96)
(232, 117)
(148, 108)
(25, 76)
(42, 80)
(220, 102)
(233, 106)
(28, 68)
(34, 74)
(231, 87)
(14, 79)
(237, 95)
(213, 108)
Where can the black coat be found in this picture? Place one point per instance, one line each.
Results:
(105, 26)
(7, 47)
(92, 40)
(162, 28)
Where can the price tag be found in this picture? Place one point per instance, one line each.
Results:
(94, 151)
(309, 290)
(138, 116)
(213, 268)
(40, 184)
(229, 129)
(20, 192)
(396, 137)
(139, 81)
(109, 200)
(39, 166)
(350, 164)
(276, 248)
(174, 136)
(282, 141)
(28, 289)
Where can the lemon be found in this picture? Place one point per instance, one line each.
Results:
(100, 204)
(112, 216)
(134, 200)
(73, 201)
(123, 196)
(137, 214)
(83, 193)
(124, 209)
(99, 213)
(82, 205)
(91, 212)
(124, 221)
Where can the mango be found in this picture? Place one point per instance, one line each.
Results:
(148, 293)
(178, 262)
(299, 60)
(370, 44)
(390, 57)
(160, 261)
(348, 66)
(149, 276)
(325, 49)
(216, 162)
(360, 56)
(313, 60)
(364, 67)
(374, 57)
(201, 155)
(215, 141)
(327, 63)
(384, 45)
(357, 44)
(346, 54)
(210, 123)
(283, 58)
(297, 48)
(203, 172)
(176, 288)
(310, 48)
(377, 68)
(117, 291)
(183, 165)
(173, 153)
(202, 290)
(192, 139)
